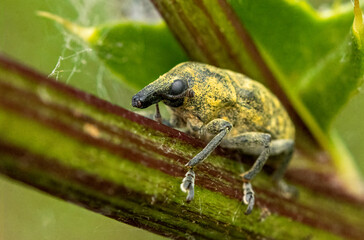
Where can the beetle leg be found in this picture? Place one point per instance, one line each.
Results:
(157, 116)
(252, 143)
(248, 197)
(285, 147)
(188, 184)
(219, 127)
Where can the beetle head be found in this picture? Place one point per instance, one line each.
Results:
(171, 88)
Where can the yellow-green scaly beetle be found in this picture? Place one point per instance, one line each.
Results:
(226, 108)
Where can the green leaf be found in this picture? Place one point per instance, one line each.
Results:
(313, 53)
(136, 52)
(329, 85)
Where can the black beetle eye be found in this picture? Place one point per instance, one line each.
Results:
(177, 87)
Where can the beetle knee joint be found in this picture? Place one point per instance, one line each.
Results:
(218, 125)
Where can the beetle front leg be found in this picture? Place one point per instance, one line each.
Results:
(248, 197)
(219, 127)
(188, 185)
(157, 116)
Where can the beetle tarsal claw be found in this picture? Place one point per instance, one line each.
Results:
(248, 197)
(188, 185)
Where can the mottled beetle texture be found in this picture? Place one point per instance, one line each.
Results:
(226, 108)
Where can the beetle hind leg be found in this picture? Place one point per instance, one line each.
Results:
(284, 148)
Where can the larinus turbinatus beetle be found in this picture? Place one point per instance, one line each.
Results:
(226, 108)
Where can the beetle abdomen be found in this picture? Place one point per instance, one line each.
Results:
(260, 110)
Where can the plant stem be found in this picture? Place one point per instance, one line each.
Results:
(82, 149)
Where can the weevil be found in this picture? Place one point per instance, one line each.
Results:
(228, 109)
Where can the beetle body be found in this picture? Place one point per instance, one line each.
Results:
(246, 104)
(227, 108)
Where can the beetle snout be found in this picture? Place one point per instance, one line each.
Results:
(144, 100)
(137, 101)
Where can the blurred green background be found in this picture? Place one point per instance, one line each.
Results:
(26, 213)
